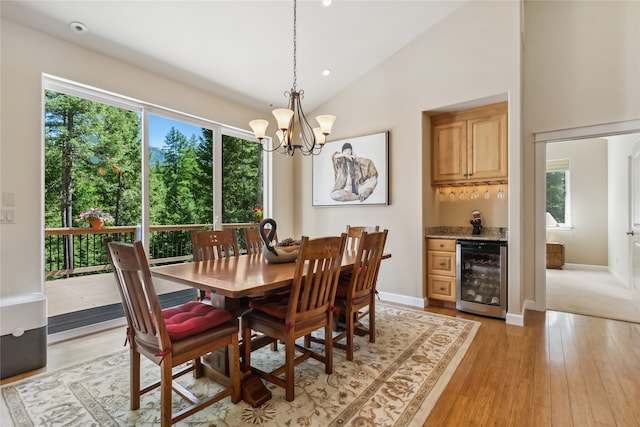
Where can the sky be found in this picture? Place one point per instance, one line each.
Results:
(160, 126)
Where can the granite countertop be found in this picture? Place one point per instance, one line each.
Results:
(488, 233)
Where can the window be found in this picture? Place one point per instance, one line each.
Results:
(190, 181)
(558, 191)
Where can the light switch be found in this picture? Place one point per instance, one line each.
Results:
(8, 198)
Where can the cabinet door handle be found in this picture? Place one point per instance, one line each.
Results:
(442, 264)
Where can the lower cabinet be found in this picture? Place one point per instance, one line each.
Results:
(441, 269)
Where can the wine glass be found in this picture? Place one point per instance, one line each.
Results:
(487, 195)
(474, 193)
(500, 193)
(462, 194)
(452, 195)
(441, 195)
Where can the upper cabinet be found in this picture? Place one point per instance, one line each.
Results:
(470, 146)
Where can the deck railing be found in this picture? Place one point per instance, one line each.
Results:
(87, 253)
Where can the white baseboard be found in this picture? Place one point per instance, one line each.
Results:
(518, 319)
(403, 299)
(569, 266)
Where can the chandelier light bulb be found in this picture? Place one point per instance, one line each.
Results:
(320, 136)
(326, 123)
(259, 127)
(283, 117)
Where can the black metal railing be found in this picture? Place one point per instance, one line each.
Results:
(86, 252)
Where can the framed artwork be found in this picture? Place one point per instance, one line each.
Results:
(352, 172)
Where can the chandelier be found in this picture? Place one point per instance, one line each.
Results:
(287, 139)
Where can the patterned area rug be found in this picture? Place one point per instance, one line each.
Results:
(393, 382)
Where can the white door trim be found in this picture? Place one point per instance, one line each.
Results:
(570, 134)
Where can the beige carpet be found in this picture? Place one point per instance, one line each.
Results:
(590, 292)
(394, 381)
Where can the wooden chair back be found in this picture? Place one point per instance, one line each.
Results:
(139, 299)
(354, 232)
(315, 279)
(367, 265)
(254, 242)
(214, 244)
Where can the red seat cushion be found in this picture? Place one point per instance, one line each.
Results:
(193, 318)
(274, 305)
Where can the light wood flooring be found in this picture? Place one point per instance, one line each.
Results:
(559, 369)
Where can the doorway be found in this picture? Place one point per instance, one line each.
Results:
(618, 259)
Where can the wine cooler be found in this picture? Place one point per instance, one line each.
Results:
(481, 284)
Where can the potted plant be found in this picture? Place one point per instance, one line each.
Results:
(258, 212)
(95, 217)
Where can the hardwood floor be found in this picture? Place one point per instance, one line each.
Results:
(560, 369)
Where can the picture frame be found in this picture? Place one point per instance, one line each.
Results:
(368, 182)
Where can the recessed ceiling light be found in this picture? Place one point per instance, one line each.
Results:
(78, 27)
(326, 72)
(327, 3)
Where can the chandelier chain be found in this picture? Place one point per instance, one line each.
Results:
(295, 53)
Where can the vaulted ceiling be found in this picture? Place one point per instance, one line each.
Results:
(241, 50)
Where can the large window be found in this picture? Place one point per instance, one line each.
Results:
(195, 171)
(558, 191)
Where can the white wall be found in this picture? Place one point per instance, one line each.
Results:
(586, 242)
(26, 54)
(473, 55)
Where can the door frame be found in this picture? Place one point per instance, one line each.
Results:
(541, 139)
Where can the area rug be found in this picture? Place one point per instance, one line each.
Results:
(395, 381)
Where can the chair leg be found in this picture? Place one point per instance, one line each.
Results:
(289, 350)
(198, 369)
(372, 319)
(165, 392)
(234, 369)
(328, 345)
(351, 330)
(134, 378)
(246, 340)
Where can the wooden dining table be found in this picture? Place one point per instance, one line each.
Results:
(231, 282)
(232, 279)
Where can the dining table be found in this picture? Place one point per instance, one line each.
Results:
(232, 282)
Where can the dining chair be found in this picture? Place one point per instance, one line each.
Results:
(171, 337)
(213, 244)
(354, 232)
(308, 307)
(359, 291)
(254, 241)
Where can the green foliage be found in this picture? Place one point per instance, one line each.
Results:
(93, 158)
(241, 179)
(556, 195)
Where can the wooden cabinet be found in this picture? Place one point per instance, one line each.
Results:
(555, 255)
(441, 269)
(470, 146)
